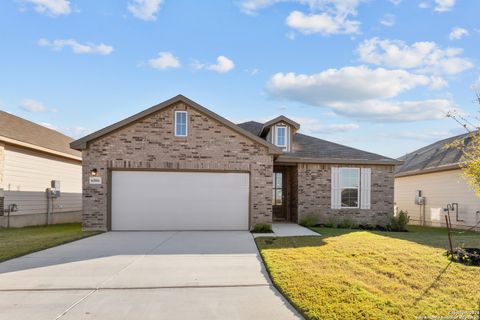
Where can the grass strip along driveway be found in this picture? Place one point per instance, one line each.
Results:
(352, 274)
(15, 242)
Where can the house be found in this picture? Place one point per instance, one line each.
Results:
(430, 180)
(179, 166)
(31, 156)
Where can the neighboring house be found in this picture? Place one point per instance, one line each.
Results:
(31, 156)
(179, 166)
(433, 172)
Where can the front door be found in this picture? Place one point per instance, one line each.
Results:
(279, 196)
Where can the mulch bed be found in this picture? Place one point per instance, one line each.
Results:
(467, 256)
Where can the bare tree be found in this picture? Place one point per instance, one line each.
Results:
(470, 145)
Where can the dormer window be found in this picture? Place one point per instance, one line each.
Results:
(281, 137)
(181, 123)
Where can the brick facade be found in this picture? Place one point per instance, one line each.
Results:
(314, 195)
(149, 143)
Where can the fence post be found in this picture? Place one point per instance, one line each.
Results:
(447, 220)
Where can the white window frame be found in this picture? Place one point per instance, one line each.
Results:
(341, 188)
(186, 124)
(277, 128)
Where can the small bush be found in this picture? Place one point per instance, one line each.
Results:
(262, 228)
(348, 223)
(399, 222)
(467, 256)
(331, 223)
(366, 227)
(309, 222)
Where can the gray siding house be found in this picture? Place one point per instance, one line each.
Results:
(31, 156)
(179, 166)
(434, 173)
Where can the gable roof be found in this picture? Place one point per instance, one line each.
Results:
(81, 144)
(437, 156)
(18, 131)
(282, 118)
(313, 150)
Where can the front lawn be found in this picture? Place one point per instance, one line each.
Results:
(352, 274)
(17, 242)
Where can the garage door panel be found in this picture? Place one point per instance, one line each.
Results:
(149, 200)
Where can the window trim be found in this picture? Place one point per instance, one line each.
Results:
(341, 188)
(186, 124)
(284, 137)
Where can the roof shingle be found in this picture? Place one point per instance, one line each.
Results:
(433, 157)
(19, 129)
(308, 147)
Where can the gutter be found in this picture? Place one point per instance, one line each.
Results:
(287, 159)
(38, 148)
(449, 167)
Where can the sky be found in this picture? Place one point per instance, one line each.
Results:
(379, 75)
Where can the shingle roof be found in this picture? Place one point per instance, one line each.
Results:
(81, 143)
(311, 148)
(436, 156)
(19, 129)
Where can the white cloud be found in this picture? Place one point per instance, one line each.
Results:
(48, 125)
(395, 111)
(424, 135)
(424, 5)
(361, 92)
(314, 126)
(31, 105)
(145, 9)
(388, 20)
(396, 2)
(325, 17)
(74, 132)
(345, 84)
(165, 60)
(77, 132)
(323, 23)
(458, 33)
(444, 5)
(77, 48)
(51, 7)
(422, 56)
(223, 65)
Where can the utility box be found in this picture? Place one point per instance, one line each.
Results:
(54, 191)
(55, 184)
(419, 198)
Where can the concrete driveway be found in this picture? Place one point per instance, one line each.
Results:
(143, 275)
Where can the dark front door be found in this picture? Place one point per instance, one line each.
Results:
(279, 196)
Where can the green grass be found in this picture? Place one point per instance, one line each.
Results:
(17, 242)
(352, 274)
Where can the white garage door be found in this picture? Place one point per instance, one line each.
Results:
(150, 200)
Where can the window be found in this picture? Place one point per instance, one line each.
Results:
(277, 197)
(349, 187)
(281, 137)
(180, 123)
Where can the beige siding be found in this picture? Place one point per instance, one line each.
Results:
(439, 188)
(28, 173)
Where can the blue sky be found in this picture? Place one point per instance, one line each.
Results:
(376, 74)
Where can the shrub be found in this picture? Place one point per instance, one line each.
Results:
(262, 228)
(366, 227)
(400, 221)
(309, 222)
(331, 223)
(467, 256)
(348, 223)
